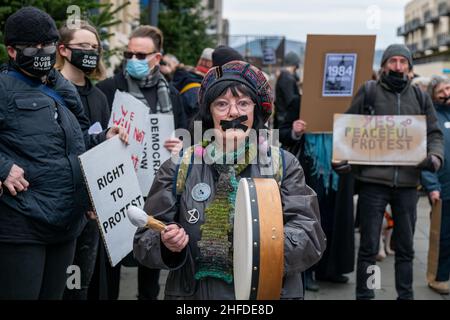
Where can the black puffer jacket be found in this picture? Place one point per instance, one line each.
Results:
(47, 149)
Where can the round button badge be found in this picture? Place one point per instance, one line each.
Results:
(201, 192)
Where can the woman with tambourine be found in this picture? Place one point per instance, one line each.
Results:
(195, 197)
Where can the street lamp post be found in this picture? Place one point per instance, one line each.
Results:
(154, 11)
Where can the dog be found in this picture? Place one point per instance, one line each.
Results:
(387, 228)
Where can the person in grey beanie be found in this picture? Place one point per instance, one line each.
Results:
(380, 185)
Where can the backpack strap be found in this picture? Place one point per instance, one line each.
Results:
(182, 171)
(278, 164)
(190, 86)
(41, 87)
(370, 88)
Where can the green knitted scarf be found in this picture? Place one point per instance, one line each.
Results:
(216, 250)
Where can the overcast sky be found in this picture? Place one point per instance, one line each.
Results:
(296, 18)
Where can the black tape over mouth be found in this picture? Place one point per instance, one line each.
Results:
(234, 124)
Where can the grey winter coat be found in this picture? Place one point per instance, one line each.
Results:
(304, 238)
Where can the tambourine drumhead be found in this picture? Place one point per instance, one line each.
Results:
(258, 240)
(242, 242)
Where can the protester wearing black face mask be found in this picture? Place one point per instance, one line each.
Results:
(79, 60)
(437, 184)
(379, 185)
(43, 130)
(35, 60)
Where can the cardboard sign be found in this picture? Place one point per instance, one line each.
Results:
(113, 187)
(339, 75)
(380, 140)
(435, 234)
(131, 114)
(350, 59)
(160, 127)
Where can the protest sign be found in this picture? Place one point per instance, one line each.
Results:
(380, 139)
(339, 74)
(113, 187)
(160, 127)
(335, 67)
(434, 241)
(131, 114)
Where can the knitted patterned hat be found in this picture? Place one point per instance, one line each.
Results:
(244, 73)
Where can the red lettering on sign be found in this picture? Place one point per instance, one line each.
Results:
(139, 135)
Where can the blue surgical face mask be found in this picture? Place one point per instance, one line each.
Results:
(138, 69)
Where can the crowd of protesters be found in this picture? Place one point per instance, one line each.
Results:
(54, 90)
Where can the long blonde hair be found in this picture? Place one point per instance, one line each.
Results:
(66, 35)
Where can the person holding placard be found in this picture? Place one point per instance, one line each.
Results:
(79, 59)
(43, 130)
(196, 198)
(438, 184)
(141, 77)
(379, 185)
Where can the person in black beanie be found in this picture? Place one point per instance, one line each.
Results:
(223, 54)
(43, 130)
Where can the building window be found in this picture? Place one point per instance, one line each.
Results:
(211, 4)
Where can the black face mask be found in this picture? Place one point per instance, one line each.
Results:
(397, 81)
(234, 124)
(85, 60)
(37, 65)
(442, 102)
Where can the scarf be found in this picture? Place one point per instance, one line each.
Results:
(319, 147)
(395, 81)
(155, 78)
(215, 246)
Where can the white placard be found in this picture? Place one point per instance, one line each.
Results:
(160, 127)
(113, 186)
(131, 114)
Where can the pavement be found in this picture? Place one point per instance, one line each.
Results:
(331, 291)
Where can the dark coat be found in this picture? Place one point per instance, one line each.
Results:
(440, 181)
(47, 149)
(287, 97)
(95, 104)
(119, 82)
(181, 79)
